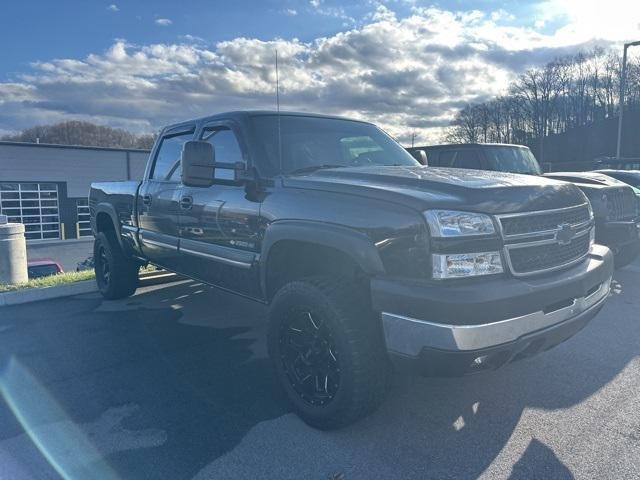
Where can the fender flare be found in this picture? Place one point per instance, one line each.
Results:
(111, 211)
(356, 245)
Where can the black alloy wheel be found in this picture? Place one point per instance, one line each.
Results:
(309, 356)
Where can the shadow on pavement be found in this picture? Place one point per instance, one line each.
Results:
(192, 361)
(539, 461)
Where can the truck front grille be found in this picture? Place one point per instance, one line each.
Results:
(544, 221)
(621, 204)
(536, 242)
(547, 256)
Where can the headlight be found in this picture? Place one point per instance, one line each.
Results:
(449, 223)
(456, 265)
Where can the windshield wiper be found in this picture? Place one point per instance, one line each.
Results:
(313, 168)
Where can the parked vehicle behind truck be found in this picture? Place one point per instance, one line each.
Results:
(361, 253)
(614, 204)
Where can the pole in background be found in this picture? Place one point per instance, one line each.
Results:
(623, 79)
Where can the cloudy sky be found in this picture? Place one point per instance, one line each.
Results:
(407, 65)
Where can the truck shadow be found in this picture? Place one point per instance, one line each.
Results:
(193, 362)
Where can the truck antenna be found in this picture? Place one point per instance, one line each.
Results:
(278, 113)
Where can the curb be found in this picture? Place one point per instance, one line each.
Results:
(46, 293)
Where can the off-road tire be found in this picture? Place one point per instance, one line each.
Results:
(122, 279)
(362, 358)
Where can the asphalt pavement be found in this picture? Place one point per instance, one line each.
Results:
(174, 383)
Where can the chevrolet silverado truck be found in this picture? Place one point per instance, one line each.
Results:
(615, 206)
(362, 254)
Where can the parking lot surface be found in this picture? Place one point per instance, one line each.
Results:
(174, 383)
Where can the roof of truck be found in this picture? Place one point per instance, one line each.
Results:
(244, 114)
(469, 145)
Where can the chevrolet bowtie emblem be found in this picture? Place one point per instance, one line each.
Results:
(565, 234)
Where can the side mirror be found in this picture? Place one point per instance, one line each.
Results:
(198, 164)
(239, 172)
(420, 156)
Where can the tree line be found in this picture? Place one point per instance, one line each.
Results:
(75, 132)
(571, 91)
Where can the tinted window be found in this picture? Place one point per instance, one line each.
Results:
(446, 157)
(464, 158)
(354, 147)
(467, 159)
(226, 148)
(512, 159)
(167, 164)
(308, 142)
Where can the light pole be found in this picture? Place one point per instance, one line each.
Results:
(623, 79)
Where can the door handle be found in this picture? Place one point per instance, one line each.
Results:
(146, 199)
(186, 203)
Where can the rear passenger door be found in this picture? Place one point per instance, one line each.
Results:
(158, 200)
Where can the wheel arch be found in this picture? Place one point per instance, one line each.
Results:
(106, 219)
(292, 249)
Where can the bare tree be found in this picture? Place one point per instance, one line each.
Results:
(568, 92)
(83, 133)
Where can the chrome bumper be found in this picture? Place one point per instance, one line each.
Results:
(408, 336)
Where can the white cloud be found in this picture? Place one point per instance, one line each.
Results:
(113, 8)
(163, 22)
(191, 38)
(319, 7)
(291, 12)
(406, 74)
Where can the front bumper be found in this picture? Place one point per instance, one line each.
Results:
(461, 327)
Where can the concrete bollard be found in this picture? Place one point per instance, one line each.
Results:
(13, 252)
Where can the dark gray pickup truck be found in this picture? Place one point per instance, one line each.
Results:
(362, 254)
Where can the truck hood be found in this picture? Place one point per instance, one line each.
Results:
(592, 184)
(429, 187)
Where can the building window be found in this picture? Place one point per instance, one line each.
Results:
(33, 204)
(84, 218)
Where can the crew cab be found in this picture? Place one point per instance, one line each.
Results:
(614, 204)
(361, 254)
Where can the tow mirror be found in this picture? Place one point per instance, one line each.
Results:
(198, 164)
(420, 156)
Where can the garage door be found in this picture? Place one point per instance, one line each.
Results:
(35, 205)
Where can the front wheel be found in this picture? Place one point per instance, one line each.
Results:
(116, 275)
(327, 351)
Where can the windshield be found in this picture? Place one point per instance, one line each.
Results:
(313, 142)
(512, 159)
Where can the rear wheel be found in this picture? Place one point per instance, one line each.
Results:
(116, 275)
(327, 351)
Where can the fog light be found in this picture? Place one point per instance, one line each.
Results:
(460, 265)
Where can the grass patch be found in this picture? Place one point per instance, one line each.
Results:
(50, 281)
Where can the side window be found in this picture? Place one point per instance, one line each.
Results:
(446, 158)
(226, 148)
(167, 164)
(467, 159)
